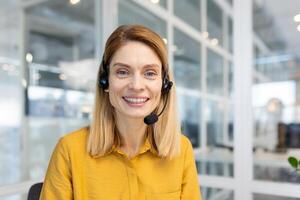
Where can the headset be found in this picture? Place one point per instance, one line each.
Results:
(166, 87)
(103, 80)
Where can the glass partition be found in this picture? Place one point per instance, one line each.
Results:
(182, 7)
(190, 118)
(271, 197)
(209, 193)
(61, 65)
(131, 13)
(215, 26)
(187, 61)
(215, 73)
(162, 3)
(11, 94)
(275, 93)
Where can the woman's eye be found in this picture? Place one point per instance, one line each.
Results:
(122, 73)
(150, 74)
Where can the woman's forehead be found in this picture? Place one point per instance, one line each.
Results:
(136, 54)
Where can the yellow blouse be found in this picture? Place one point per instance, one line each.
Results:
(73, 174)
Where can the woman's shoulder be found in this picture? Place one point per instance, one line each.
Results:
(185, 141)
(77, 137)
(186, 146)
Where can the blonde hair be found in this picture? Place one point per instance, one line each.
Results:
(164, 135)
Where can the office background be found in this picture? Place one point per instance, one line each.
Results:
(236, 66)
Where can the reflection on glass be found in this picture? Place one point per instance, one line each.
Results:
(130, 13)
(182, 7)
(271, 197)
(215, 73)
(216, 194)
(214, 21)
(190, 118)
(187, 67)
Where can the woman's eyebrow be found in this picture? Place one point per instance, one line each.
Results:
(152, 65)
(121, 64)
(145, 66)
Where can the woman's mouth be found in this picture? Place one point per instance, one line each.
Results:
(136, 101)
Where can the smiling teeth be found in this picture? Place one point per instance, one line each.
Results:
(136, 100)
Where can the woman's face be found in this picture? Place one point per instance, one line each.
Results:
(135, 80)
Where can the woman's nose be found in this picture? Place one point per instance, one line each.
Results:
(137, 83)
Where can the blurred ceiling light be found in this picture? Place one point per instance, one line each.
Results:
(178, 51)
(205, 34)
(214, 42)
(62, 77)
(154, 1)
(73, 2)
(165, 40)
(298, 27)
(29, 57)
(274, 105)
(297, 18)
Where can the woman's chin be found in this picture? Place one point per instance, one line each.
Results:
(136, 116)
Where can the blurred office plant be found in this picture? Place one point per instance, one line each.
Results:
(294, 162)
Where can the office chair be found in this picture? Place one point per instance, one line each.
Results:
(35, 191)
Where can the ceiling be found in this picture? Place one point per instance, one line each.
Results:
(274, 24)
(283, 13)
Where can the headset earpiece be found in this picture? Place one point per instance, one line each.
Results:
(103, 79)
(167, 85)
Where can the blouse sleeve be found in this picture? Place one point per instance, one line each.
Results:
(58, 179)
(190, 189)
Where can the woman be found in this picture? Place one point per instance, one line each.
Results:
(127, 153)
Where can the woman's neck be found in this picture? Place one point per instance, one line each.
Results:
(132, 132)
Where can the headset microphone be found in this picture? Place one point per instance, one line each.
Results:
(152, 118)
